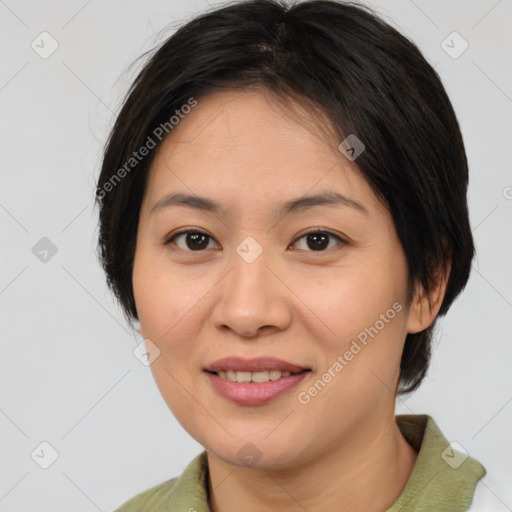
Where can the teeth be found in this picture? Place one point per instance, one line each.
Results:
(264, 376)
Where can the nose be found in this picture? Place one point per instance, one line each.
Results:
(252, 298)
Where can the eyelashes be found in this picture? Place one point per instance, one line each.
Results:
(200, 240)
(320, 235)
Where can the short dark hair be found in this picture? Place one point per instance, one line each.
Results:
(338, 58)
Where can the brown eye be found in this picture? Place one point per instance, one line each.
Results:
(318, 240)
(194, 240)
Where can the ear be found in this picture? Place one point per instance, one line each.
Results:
(136, 327)
(424, 308)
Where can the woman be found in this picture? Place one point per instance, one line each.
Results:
(283, 209)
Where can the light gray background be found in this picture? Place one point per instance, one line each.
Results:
(68, 375)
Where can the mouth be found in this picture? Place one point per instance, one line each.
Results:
(246, 388)
(256, 370)
(256, 377)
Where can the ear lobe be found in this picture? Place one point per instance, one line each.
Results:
(137, 327)
(424, 308)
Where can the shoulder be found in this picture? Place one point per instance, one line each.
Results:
(444, 476)
(149, 499)
(189, 491)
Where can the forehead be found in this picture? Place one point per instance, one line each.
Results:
(246, 145)
(246, 122)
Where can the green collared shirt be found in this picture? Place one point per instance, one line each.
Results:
(443, 478)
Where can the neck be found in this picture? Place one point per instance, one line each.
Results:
(366, 471)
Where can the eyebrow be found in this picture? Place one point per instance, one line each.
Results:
(325, 198)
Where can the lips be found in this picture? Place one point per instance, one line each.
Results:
(238, 364)
(254, 393)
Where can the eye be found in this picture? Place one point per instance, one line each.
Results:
(194, 240)
(318, 240)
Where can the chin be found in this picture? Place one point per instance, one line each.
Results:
(256, 453)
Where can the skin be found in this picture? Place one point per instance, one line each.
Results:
(341, 451)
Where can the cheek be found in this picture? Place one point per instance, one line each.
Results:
(145, 289)
(170, 305)
(365, 311)
(355, 299)
(162, 306)
(159, 298)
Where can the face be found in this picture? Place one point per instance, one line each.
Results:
(249, 280)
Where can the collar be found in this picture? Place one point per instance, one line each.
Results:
(444, 477)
